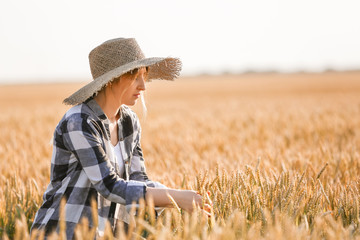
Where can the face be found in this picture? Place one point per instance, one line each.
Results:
(127, 90)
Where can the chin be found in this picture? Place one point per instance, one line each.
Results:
(130, 104)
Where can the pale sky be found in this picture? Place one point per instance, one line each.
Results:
(45, 40)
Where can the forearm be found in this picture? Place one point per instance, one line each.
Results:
(185, 199)
(160, 198)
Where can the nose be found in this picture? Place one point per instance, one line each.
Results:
(141, 83)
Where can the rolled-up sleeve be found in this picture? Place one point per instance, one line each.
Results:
(82, 137)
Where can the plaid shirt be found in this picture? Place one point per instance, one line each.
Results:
(84, 167)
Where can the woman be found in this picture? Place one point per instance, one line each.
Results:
(97, 153)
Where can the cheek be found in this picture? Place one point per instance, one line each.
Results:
(131, 89)
(128, 95)
(122, 89)
(119, 92)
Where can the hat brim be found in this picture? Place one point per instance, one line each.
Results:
(159, 68)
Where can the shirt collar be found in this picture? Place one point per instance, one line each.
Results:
(94, 106)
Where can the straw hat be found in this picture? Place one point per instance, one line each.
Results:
(115, 57)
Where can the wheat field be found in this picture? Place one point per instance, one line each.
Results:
(279, 154)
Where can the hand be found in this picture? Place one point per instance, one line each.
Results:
(208, 207)
(187, 200)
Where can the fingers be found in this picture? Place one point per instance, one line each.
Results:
(198, 202)
(208, 214)
(207, 198)
(207, 208)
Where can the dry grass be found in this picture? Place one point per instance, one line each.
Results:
(279, 154)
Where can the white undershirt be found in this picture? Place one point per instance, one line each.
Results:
(119, 158)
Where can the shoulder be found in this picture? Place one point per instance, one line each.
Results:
(76, 119)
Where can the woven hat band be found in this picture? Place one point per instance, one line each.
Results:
(112, 54)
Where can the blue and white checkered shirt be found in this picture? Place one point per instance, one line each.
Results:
(83, 167)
